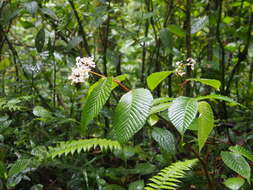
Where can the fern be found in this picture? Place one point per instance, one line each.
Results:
(11, 105)
(14, 104)
(19, 166)
(70, 147)
(168, 178)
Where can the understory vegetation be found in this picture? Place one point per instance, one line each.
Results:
(126, 94)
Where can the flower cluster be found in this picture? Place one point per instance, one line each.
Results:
(180, 70)
(82, 69)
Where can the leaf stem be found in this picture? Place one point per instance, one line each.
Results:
(114, 80)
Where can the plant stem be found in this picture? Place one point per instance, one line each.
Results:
(204, 167)
(114, 80)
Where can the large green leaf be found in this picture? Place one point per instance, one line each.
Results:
(242, 151)
(234, 183)
(165, 139)
(95, 101)
(182, 112)
(210, 82)
(237, 163)
(154, 79)
(219, 97)
(131, 113)
(205, 123)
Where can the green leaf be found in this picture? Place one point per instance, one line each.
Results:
(41, 112)
(210, 82)
(31, 7)
(194, 125)
(237, 163)
(76, 146)
(166, 38)
(49, 12)
(159, 108)
(37, 187)
(169, 177)
(162, 100)
(2, 170)
(95, 101)
(153, 119)
(234, 183)
(113, 187)
(19, 166)
(176, 30)
(219, 97)
(165, 139)
(4, 63)
(131, 113)
(242, 151)
(26, 24)
(199, 24)
(182, 112)
(143, 169)
(155, 79)
(136, 185)
(205, 123)
(75, 41)
(40, 40)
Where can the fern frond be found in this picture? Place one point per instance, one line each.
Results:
(70, 147)
(168, 178)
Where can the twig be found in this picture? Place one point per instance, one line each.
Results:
(114, 80)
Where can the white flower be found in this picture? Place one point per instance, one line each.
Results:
(178, 63)
(81, 72)
(86, 61)
(181, 73)
(190, 61)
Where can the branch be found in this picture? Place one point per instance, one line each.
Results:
(81, 30)
(242, 55)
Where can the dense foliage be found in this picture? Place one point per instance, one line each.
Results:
(134, 94)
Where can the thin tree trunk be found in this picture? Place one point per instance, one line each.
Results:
(188, 45)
